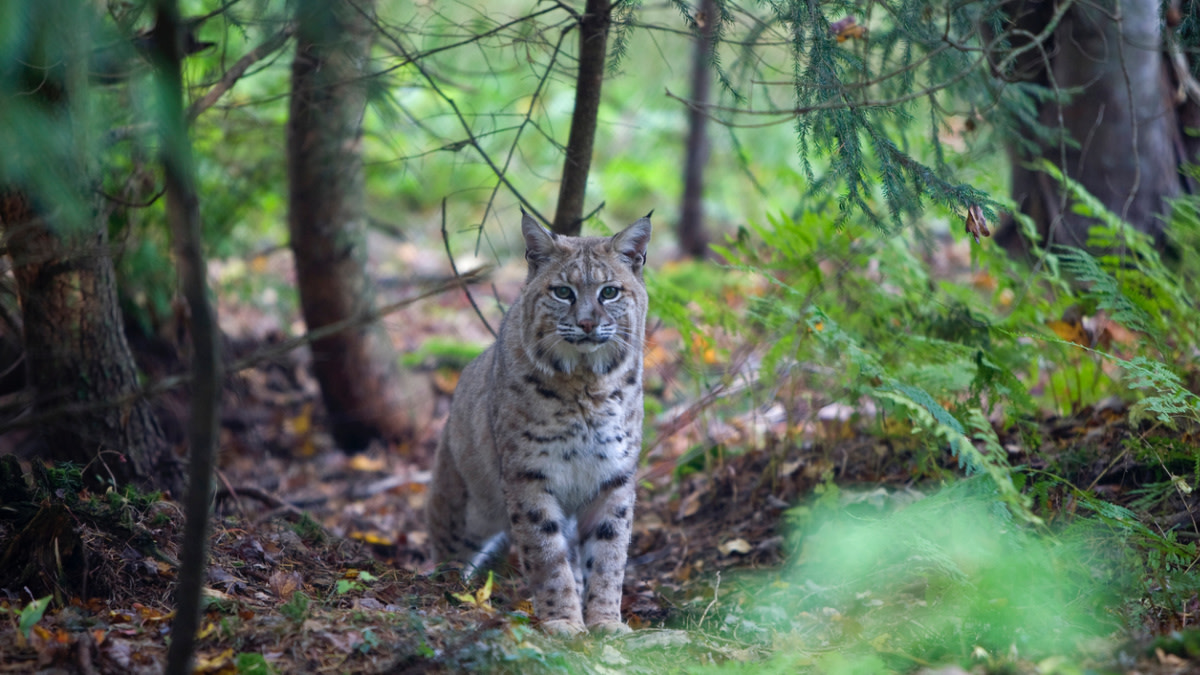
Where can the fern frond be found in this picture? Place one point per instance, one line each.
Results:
(1106, 291)
(1168, 398)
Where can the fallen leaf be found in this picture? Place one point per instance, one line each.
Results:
(373, 538)
(480, 597)
(206, 629)
(702, 347)
(365, 463)
(984, 281)
(445, 380)
(690, 504)
(302, 423)
(1006, 298)
(218, 664)
(284, 584)
(1070, 327)
(790, 467)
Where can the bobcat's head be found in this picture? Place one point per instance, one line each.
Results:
(585, 298)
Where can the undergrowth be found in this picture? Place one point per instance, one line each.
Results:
(962, 367)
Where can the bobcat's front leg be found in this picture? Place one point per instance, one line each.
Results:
(604, 543)
(538, 524)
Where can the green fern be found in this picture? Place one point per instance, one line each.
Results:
(1106, 291)
(1167, 399)
(1129, 277)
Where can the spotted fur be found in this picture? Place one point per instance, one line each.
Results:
(545, 430)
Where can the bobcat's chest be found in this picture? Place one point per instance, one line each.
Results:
(586, 445)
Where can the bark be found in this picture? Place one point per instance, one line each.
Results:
(593, 50)
(78, 360)
(327, 220)
(693, 240)
(1125, 121)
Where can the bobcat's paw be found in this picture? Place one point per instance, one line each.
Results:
(563, 628)
(610, 628)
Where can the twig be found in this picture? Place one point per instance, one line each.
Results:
(716, 594)
(477, 37)
(593, 212)
(454, 267)
(231, 76)
(496, 297)
(252, 492)
(133, 205)
(205, 17)
(462, 120)
(232, 493)
(512, 149)
(842, 104)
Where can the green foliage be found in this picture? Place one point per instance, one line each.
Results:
(925, 353)
(1129, 278)
(369, 641)
(309, 529)
(859, 318)
(857, 101)
(359, 583)
(1166, 397)
(442, 352)
(296, 609)
(29, 615)
(253, 663)
(951, 574)
(61, 477)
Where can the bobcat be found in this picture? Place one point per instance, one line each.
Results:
(546, 427)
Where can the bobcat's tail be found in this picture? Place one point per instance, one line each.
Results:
(489, 555)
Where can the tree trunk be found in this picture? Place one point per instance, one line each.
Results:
(78, 361)
(1124, 119)
(327, 220)
(183, 216)
(593, 51)
(692, 238)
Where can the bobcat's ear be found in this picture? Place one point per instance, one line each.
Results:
(631, 242)
(539, 242)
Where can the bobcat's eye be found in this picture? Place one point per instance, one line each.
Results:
(609, 292)
(562, 292)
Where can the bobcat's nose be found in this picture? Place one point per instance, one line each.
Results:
(587, 325)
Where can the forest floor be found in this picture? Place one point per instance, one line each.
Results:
(320, 560)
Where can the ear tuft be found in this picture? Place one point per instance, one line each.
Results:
(632, 241)
(539, 242)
